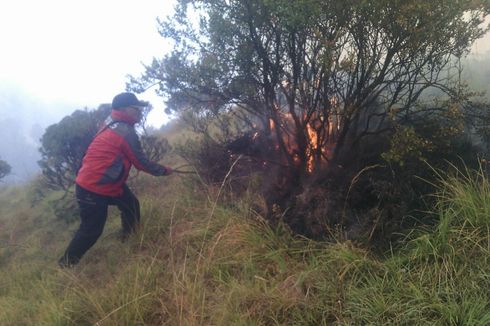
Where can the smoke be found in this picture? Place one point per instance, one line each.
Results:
(23, 119)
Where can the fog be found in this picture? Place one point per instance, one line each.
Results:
(23, 120)
(59, 56)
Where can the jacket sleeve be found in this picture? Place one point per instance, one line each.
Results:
(132, 149)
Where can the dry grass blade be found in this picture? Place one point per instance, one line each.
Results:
(98, 323)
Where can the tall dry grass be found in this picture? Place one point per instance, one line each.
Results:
(196, 261)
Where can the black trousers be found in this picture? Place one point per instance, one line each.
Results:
(93, 215)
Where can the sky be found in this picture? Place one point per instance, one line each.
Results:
(65, 55)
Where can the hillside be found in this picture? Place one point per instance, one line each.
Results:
(196, 261)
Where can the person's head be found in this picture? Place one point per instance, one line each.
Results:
(129, 104)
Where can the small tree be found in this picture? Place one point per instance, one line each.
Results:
(63, 145)
(5, 169)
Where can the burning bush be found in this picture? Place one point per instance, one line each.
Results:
(329, 87)
(363, 194)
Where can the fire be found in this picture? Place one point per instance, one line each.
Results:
(312, 146)
(317, 150)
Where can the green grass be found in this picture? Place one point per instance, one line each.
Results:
(197, 262)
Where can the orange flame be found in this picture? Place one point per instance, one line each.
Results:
(314, 143)
(312, 146)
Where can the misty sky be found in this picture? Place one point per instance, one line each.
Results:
(72, 54)
(58, 56)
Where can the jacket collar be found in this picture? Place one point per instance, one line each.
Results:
(117, 115)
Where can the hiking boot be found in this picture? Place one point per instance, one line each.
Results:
(64, 262)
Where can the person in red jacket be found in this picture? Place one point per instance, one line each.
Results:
(101, 180)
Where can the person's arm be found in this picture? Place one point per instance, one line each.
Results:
(132, 149)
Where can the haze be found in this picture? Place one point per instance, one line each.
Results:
(58, 56)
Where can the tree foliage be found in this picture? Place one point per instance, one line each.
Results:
(63, 145)
(5, 169)
(324, 74)
(154, 148)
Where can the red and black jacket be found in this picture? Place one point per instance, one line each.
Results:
(105, 167)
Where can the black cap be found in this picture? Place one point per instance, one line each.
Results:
(124, 100)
